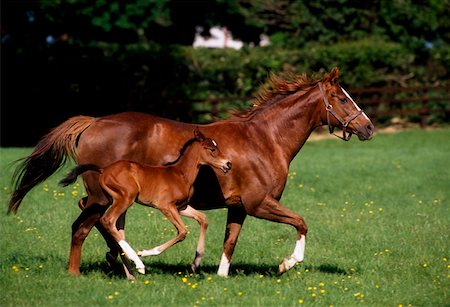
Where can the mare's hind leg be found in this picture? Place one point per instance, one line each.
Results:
(172, 214)
(270, 209)
(80, 229)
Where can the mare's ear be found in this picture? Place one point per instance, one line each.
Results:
(198, 135)
(333, 76)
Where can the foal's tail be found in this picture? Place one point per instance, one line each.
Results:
(52, 151)
(77, 171)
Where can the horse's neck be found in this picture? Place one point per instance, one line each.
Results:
(188, 165)
(291, 121)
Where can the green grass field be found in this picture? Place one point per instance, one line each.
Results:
(379, 235)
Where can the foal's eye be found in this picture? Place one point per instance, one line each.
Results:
(212, 149)
(343, 100)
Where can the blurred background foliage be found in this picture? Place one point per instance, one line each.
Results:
(61, 58)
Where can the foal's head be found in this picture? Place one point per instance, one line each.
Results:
(341, 109)
(209, 153)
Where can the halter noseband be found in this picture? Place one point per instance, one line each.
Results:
(344, 122)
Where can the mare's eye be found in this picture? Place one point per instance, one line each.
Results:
(343, 100)
(212, 149)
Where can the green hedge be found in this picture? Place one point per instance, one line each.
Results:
(171, 80)
(364, 63)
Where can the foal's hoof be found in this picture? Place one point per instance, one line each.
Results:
(141, 271)
(193, 268)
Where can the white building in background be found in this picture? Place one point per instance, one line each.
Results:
(221, 37)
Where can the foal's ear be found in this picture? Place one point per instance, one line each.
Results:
(198, 135)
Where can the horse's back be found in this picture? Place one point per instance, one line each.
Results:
(132, 136)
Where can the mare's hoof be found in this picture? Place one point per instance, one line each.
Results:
(110, 259)
(283, 267)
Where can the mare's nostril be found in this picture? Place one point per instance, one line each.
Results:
(229, 165)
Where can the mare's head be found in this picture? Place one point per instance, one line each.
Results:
(341, 110)
(210, 153)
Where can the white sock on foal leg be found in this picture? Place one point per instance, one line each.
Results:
(131, 254)
(150, 252)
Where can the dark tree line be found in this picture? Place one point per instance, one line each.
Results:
(66, 57)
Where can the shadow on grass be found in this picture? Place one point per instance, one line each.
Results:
(240, 269)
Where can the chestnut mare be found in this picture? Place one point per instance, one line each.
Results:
(167, 189)
(260, 143)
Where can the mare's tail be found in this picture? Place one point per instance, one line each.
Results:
(77, 171)
(52, 151)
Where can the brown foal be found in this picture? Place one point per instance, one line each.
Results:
(167, 188)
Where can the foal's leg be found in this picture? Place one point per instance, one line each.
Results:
(270, 209)
(113, 248)
(172, 214)
(109, 220)
(203, 222)
(235, 219)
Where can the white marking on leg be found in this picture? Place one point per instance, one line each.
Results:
(131, 254)
(356, 106)
(299, 250)
(297, 256)
(224, 266)
(149, 252)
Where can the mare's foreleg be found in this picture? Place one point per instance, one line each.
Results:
(270, 209)
(235, 219)
(172, 214)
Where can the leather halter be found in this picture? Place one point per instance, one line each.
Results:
(344, 122)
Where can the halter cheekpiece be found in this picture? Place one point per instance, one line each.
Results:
(344, 122)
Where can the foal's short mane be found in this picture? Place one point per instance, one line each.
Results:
(278, 86)
(182, 150)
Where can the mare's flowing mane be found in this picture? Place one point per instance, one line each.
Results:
(278, 86)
